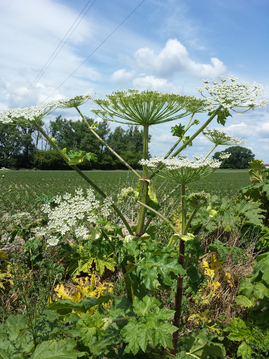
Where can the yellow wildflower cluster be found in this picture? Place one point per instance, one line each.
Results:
(89, 287)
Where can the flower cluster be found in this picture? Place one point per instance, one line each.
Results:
(35, 113)
(198, 199)
(147, 108)
(28, 114)
(125, 193)
(232, 94)
(220, 137)
(224, 156)
(182, 170)
(4, 169)
(71, 213)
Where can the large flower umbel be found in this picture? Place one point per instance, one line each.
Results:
(220, 137)
(71, 213)
(35, 113)
(183, 170)
(232, 95)
(147, 108)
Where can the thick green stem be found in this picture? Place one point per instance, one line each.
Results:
(173, 147)
(159, 214)
(180, 138)
(179, 291)
(183, 209)
(145, 183)
(186, 143)
(107, 146)
(198, 131)
(91, 183)
(161, 203)
(129, 285)
(190, 219)
(178, 298)
(212, 149)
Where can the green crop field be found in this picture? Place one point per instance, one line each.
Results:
(19, 189)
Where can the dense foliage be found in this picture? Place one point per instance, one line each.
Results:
(239, 157)
(16, 146)
(21, 147)
(177, 265)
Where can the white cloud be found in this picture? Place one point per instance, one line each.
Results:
(153, 83)
(33, 30)
(263, 130)
(122, 76)
(174, 58)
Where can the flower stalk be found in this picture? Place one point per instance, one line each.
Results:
(145, 183)
(107, 146)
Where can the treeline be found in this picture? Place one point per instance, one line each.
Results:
(23, 146)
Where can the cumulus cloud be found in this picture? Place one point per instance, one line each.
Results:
(142, 81)
(33, 30)
(263, 130)
(239, 129)
(122, 76)
(174, 58)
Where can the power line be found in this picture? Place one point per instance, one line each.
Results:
(95, 50)
(58, 49)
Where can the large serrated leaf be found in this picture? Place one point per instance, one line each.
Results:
(9, 354)
(161, 266)
(261, 291)
(239, 330)
(244, 350)
(14, 330)
(63, 349)
(164, 313)
(65, 306)
(201, 345)
(246, 287)
(131, 332)
(92, 331)
(262, 267)
(106, 262)
(149, 327)
(142, 308)
(245, 302)
(14, 325)
(162, 335)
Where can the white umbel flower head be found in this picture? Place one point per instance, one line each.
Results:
(28, 114)
(52, 241)
(232, 95)
(182, 170)
(220, 137)
(35, 113)
(74, 214)
(224, 156)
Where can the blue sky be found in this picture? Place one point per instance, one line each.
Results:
(168, 46)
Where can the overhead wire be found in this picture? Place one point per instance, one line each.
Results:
(87, 58)
(66, 37)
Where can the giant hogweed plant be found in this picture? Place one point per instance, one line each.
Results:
(140, 323)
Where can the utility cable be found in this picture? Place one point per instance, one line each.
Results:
(58, 49)
(95, 50)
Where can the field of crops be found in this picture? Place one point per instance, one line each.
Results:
(19, 189)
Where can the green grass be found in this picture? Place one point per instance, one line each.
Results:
(19, 189)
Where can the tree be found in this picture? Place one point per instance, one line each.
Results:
(49, 160)
(16, 145)
(128, 144)
(239, 157)
(76, 136)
